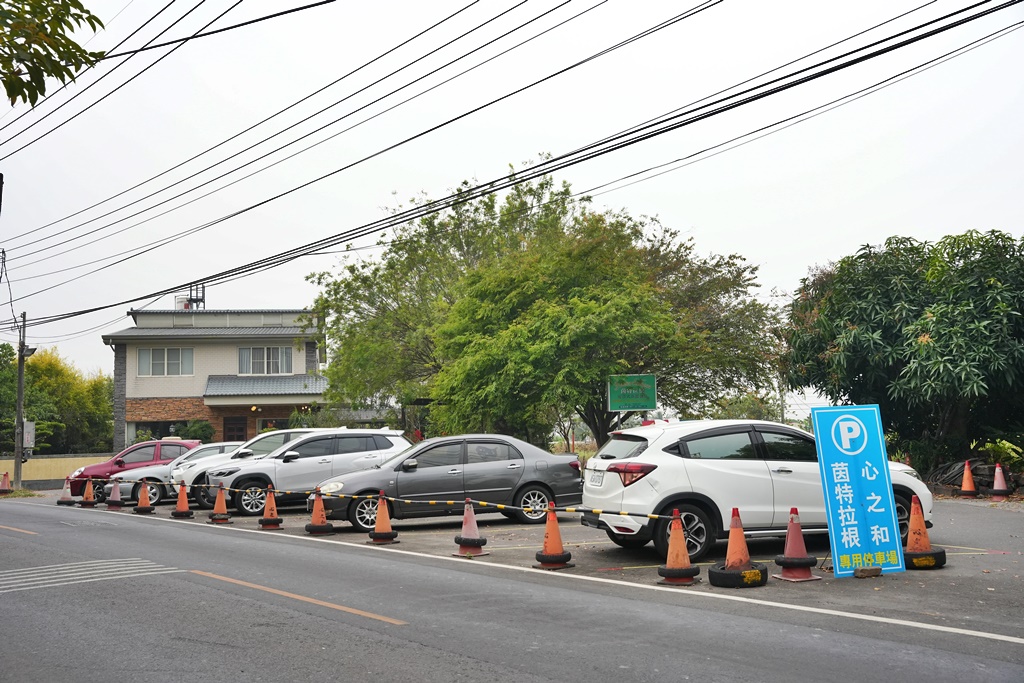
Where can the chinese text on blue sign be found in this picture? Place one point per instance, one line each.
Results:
(863, 528)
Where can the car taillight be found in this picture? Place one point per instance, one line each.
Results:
(631, 472)
(575, 464)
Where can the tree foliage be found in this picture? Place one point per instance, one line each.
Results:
(73, 413)
(36, 44)
(512, 313)
(932, 332)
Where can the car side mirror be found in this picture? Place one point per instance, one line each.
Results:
(290, 456)
(242, 453)
(409, 464)
(119, 462)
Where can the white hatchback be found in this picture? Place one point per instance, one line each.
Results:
(704, 468)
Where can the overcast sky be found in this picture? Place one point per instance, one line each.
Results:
(936, 154)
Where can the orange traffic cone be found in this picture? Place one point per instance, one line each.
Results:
(967, 489)
(382, 533)
(920, 554)
(220, 509)
(677, 570)
(318, 525)
(143, 507)
(552, 556)
(65, 494)
(470, 541)
(270, 521)
(114, 499)
(5, 484)
(88, 498)
(795, 562)
(181, 510)
(737, 571)
(999, 491)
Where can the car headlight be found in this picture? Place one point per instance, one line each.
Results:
(225, 473)
(77, 472)
(186, 466)
(914, 474)
(333, 487)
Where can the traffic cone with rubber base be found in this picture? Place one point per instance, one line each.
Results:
(999, 491)
(181, 510)
(967, 489)
(920, 553)
(65, 494)
(88, 497)
(270, 521)
(382, 533)
(470, 541)
(552, 556)
(318, 525)
(220, 508)
(677, 570)
(114, 501)
(5, 484)
(143, 508)
(795, 562)
(737, 571)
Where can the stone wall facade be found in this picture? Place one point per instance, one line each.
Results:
(184, 409)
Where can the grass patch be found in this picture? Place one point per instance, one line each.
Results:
(21, 493)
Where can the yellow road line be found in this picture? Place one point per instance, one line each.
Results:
(11, 528)
(302, 598)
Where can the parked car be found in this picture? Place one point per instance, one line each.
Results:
(159, 476)
(704, 468)
(135, 456)
(299, 465)
(194, 474)
(493, 468)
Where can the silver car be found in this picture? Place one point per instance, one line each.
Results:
(158, 477)
(493, 468)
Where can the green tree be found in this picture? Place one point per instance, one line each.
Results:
(932, 332)
(83, 405)
(36, 44)
(195, 429)
(606, 294)
(39, 405)
(378, 315)
(750, 405)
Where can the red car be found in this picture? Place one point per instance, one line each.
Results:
(137, 455)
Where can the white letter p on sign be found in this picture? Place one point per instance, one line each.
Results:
(848, 431)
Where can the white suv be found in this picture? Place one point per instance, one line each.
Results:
(298, 466)
(707, 467)
(194, 474)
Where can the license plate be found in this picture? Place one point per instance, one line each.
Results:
(597, 477)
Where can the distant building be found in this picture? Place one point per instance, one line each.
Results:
(242, 370)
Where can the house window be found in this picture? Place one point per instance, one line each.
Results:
(265, 360)
(161, 362)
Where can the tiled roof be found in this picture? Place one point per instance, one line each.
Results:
(201, 332)
(276, 385)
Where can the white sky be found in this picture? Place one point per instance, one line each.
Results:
(936, 154)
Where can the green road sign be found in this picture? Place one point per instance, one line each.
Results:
(632, 392)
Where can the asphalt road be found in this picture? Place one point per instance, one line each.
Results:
(90, 595)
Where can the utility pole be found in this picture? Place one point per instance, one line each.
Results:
(19, 417)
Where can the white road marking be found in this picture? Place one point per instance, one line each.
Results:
(55, 575)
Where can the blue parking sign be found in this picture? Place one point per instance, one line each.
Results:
(863, 529)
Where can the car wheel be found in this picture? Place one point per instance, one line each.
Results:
(251, 498)
(903, 517)
(628, 542)
(536, 497)
(362, 513)
(700, 532)
(155, 492)
(201, 493)
(98, 494)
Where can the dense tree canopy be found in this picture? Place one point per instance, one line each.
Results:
(36, 44)
(932, 332)
(73, 413)
(512, 314)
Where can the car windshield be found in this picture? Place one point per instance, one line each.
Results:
(622, 446)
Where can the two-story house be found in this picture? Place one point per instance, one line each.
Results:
(242, 370)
